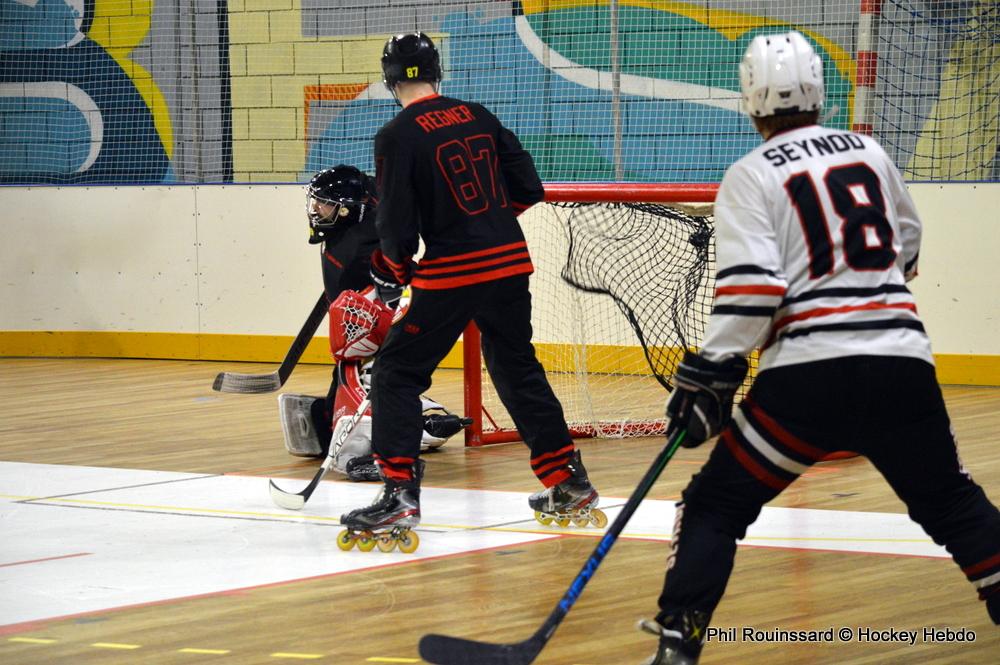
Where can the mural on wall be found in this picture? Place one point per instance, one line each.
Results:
(546, 74)
(74, 108)
(137, 91)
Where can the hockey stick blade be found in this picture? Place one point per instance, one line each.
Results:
(297, 500)
(457, 651)
(444, 650)
(234, 382)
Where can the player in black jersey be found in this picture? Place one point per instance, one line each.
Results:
(450, 173)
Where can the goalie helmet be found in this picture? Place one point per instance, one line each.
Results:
(781, 74)
(336, 198)
(410, 57)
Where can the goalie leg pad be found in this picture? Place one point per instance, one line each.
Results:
(358, 444)
(296, 413)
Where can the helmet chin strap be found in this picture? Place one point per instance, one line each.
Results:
(395, 97)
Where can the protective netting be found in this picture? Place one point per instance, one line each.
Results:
(130, 91)
(620, 291)
(937, 110)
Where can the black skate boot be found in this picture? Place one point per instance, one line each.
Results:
(681, 638)
(993, 604)
(572, 500)
(388, 521)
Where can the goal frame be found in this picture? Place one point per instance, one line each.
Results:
(563, 192)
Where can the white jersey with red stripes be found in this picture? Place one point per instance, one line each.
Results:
(816, 239)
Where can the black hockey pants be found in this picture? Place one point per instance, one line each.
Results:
(424, 336)
(888, 409)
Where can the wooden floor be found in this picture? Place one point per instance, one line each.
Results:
(162, 415)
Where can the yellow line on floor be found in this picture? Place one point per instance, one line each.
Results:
(209, 652)
(298, 656)
(212, 511)
(115, 645)
(30, 640)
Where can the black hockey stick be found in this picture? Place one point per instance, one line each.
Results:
(296, 500)
(444, 650)
(234, 382)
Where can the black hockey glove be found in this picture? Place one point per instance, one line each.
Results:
(388, 282)
(702, 401)
(442, 426)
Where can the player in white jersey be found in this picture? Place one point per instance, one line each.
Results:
(816, 238)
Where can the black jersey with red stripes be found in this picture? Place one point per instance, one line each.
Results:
(449, 172)
(347, 252)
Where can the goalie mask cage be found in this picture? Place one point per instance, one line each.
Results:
(623, 285)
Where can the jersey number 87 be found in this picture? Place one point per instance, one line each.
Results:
(472, 171)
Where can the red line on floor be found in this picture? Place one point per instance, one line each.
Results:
(50, 558)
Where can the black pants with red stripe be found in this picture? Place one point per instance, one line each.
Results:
(418, 342)
(888, 409)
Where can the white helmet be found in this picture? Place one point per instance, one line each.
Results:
(781, 74)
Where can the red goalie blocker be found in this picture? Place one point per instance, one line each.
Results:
(358, 325)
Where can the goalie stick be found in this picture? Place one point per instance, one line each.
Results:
(235, 382)
(296, 500)
(444, 650)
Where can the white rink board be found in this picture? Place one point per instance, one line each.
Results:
(86, 539)
(235, 259)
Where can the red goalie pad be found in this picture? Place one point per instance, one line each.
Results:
(358, 326)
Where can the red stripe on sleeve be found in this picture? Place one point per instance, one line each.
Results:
(751, 290)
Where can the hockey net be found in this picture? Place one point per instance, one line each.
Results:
(623, 285)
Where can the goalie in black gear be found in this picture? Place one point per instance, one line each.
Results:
(340, 210)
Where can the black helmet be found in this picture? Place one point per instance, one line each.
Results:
(410, 57)
(336, 198)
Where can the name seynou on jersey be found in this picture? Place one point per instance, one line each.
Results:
(817, 146)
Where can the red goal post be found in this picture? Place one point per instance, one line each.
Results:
(593, 359)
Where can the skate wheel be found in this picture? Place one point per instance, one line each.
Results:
(581, 521)
(598, 518)
(366, 542)
(543, 518)
(562, 522)
(386, 543)
(345, 540)
(408, 542)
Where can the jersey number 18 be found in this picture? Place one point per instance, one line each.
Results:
(858, 202)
